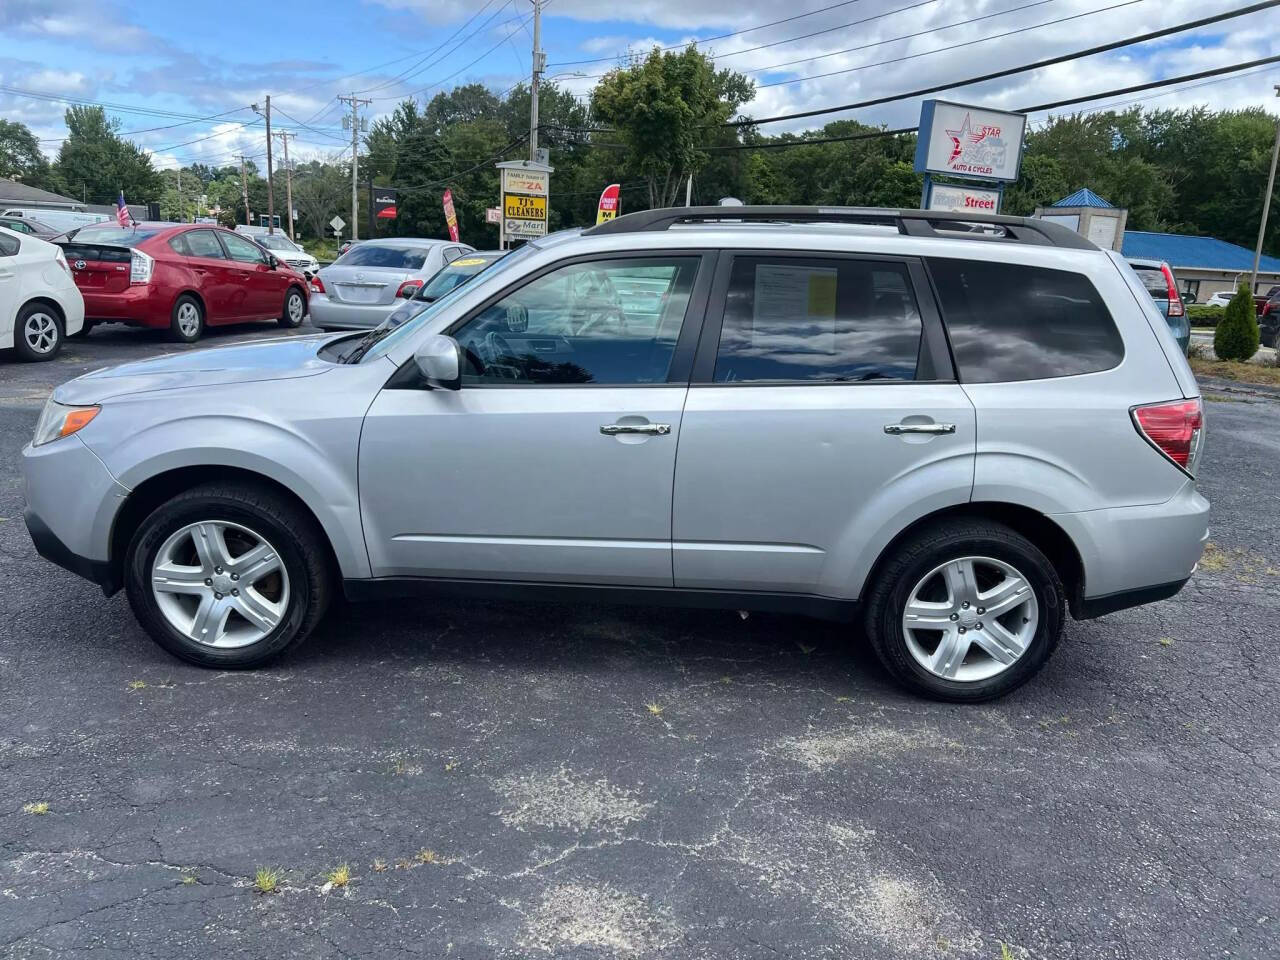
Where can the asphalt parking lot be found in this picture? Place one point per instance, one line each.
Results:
(509, 780)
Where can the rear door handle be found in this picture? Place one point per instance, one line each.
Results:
(897, 428)
(655, 429)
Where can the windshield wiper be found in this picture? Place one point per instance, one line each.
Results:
(366, 344)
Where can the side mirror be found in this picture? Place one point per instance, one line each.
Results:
(439, 360)
(272, 261)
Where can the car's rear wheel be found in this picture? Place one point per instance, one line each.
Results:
(227, 575)
(186, 321)
(37, 333)
(295, 308)
(967, 611)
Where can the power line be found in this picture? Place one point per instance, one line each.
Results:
(420, 92)
(1010, 71)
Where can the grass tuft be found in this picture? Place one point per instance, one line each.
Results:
(137, 684)
(1214, 559)
(654, 709)
(188, 879)
(1166, 641)
(267, 879)
(340, 875)
(426, 856)
(379, 866)
(38, 807)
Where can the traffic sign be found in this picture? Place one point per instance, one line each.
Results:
(337, 223)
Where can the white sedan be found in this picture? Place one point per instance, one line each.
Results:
(40, 305)
(1220, 299)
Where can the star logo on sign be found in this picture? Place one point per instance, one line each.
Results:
(958, 137)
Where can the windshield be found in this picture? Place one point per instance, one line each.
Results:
(275, 242)
(113, 235)
(395, 256)
(454, 275)
(384, 337)
(1153, 279)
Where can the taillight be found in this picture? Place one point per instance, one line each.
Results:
(317, 284)
(1175, 299)
(141, 267)
(62, 262)
(411, 286)
(1176, 429)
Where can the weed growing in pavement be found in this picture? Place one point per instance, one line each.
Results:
(267, 879)
(379, 866)
(426, 856)
(189, 879)
(1166, 641)
(137, 684)
(340, 875)
(39, 808)
(654, 709)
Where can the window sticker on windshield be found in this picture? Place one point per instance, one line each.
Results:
(784, 295)
(468, 262)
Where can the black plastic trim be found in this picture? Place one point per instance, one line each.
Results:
(54, 550)
(824, 608)
(1087, 608)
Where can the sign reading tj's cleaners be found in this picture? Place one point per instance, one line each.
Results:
(969, 142)
(525, 189)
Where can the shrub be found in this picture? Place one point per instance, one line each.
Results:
(1236, 337)
(1203, 315)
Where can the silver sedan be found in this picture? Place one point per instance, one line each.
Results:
(363, 286)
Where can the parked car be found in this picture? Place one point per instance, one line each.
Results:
(59, 220)
(1220, 299)
(952, 437)
(39, 303)
(181, 278)
(347, 245)
(450, 277)
(31, 227)
(1269, 321)
(1158, 279)
(360, 289)
(289, 252)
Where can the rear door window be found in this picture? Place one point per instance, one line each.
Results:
(1010, 322)
(814, 320)
(204, 244)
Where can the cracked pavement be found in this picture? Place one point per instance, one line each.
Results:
(511, 780)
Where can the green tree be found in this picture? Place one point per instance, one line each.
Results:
(20, 156)
(1236, 337)
(96, 163)
(662, 110)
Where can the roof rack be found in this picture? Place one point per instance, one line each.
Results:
(915, 223)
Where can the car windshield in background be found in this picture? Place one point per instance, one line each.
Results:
(274, 242)
(454, 275)
(111, 235)
(1153, 279)
(392, 256)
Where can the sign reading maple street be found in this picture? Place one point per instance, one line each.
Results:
(970, 142)
(963, 199)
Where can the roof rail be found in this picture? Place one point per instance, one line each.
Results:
(915, 223)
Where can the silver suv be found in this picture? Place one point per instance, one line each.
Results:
(951, 429)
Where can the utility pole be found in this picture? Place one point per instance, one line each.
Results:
(354, 120)
(271, 200)
(244, 189)
(539, 61)
(1266, 206)
(181, 218)
(284, 136)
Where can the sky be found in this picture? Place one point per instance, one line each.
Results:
(181, 79)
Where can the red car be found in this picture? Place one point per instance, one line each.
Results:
(180, 277)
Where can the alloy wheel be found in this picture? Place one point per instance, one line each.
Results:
(220, 584)
(970, 619)
(40, 332)
(189, 319)
(295, 308)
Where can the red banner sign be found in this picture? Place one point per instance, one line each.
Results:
(450, 217)
(610, 203)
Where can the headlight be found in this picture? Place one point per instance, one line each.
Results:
(59, 420)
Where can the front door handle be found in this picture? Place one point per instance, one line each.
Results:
(655, 429)
(897, 428)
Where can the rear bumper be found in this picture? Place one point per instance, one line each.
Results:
(1135, 555)
(331, 314)
(138, 305)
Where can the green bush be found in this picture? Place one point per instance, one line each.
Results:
(1202, 315)
(1236, 337)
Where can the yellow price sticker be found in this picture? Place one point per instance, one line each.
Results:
(468, 262)
(525, 208)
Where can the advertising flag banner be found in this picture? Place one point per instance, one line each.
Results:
(450, 217)
(610, 203)
(384, 203)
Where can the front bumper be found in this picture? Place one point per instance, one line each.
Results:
(331, 314)
(72, 503)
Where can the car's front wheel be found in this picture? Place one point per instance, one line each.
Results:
(966, 611)
(227, 575)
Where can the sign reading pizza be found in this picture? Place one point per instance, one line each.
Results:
(969, 142)
(525, 189)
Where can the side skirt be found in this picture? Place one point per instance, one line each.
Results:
(823, 608)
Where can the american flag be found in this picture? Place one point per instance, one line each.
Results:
(122, 212)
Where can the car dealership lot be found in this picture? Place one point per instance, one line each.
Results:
(516, 780)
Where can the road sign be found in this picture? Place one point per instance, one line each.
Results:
(337, 223)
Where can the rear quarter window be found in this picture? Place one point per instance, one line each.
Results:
(9, 246)
(1009, 322)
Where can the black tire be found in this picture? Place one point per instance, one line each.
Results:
(293, 534)
(286, 315)
(910, 562)
(83, 332)
(180, 306)
(47, 339)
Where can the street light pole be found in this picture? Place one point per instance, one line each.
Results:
(539, 64)
(1266, 206)
(356, 104)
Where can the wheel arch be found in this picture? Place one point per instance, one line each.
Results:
(1041, 530)
(48, 302)
(160, 488)
(195, 295)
